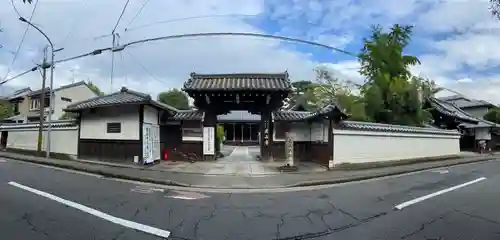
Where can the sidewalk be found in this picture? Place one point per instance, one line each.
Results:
(147, 174)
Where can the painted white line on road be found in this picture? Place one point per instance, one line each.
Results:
(99, 214)
(3, 160)
(441, 171)
(188, 195)
(417, 200)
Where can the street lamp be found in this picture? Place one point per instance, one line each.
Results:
(51, 88)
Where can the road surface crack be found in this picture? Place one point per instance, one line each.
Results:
(280, 224)
(207, 218)
(342, 211)
(477, 217)
(334, 230)
(27, 217)
(424, 225)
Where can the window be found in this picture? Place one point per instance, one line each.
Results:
(192, 134)
(66, 99)
(115, 127)
(16, 108)
(35, 104)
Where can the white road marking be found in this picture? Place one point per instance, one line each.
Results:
(145, 189)
(3, 160)
(99, 214)
(417, 200)
(442, 171)
(188, 195)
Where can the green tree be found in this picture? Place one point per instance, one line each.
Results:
(390, 96)
(68, 116)
(493, 115)
(330, 89)
(94, 88)
(300, 88)
(6, 109)
(174, 98)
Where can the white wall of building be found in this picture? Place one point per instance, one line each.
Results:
(482, 133)
(151, 135)
(63, 140)
(354, 146)
(357, 146)
(478, 112)
(76, 94)
(94, 125)
(150, 115)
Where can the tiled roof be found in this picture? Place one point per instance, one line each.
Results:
(239, 116)
(55, 124)
(464, 102)
(482, 124)
(303, 115)
(188, 115)
(290, 115)
(47, 89)
(19, 93)
(451, 110)
(366, 126)
(124, 96)
(239, 81)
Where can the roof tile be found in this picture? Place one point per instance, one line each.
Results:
(239, 81)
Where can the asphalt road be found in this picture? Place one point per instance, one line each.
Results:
(34, 205)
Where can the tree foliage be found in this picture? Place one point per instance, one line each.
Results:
(391, 94)
(495, 8)
(493, 115)
(94, 88)
(174, 98)
(6, 109)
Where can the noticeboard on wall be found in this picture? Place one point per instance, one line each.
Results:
(208, 141)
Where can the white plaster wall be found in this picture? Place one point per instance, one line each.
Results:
(300, 132)
(63, 140)
(94, 125)
(477, 112)
(76, 94)
(482, 133)
(353, 146)
(150, 115)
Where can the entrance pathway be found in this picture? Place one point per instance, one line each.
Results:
(238, 161)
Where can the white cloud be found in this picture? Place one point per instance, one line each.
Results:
(150, 67)
(473, 46)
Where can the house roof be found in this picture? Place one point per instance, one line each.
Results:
(238, 81)
(464, 102)
(277, 115)
(450, 110)
(124, 96)
(238, 116)
(367, 126)
(47, 89)
(19, 93)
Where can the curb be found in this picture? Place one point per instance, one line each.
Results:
(388, 174)
(300, 184)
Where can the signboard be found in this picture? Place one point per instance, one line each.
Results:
(208, 141)
(147, 144)
(289, 149)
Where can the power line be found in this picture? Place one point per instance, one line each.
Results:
(73, 25)
(121, 15)
(144, 68)
(95, 52)
(22, 38)
(260, 35)
(137, 14)
(187, 18)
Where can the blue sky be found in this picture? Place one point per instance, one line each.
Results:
(457, 41)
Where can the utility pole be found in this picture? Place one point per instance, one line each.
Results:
(112, 62)
(42, 102)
